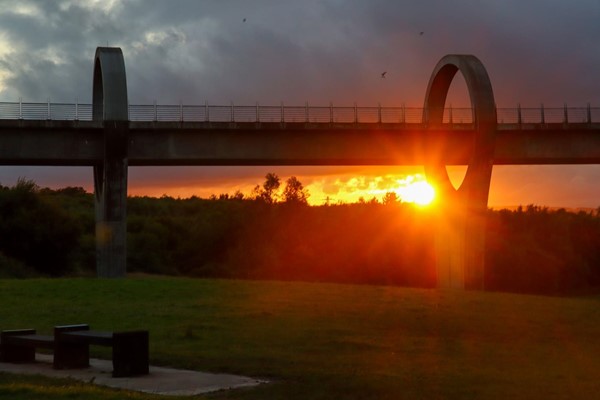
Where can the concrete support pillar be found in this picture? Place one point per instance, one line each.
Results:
(460, 246)
(461, 225)
(110, 106)
(450, 248)
(110, 186)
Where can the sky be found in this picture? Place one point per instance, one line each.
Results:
(191, 51)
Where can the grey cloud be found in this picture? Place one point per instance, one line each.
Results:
(316, 51)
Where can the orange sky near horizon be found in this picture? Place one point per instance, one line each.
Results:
(344, 188)
(511, 185)
(569, 186)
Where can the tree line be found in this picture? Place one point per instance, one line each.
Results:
(275, 234)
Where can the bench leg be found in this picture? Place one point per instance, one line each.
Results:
(15, 353)
(18, 354)
(71, 355)
(130, 354)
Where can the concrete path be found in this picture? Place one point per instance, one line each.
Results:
(166, 381)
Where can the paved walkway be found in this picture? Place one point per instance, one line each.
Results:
(166, 381)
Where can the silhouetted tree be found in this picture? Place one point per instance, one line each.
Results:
(268, 191)
(295, 192)
(238, 195)
(390, 198)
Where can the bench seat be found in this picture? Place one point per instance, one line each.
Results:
(99, 338)
(31, 340)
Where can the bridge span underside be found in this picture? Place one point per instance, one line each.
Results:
(81, 143)
(110, 143)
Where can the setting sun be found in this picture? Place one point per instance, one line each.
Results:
(409, 188)
(418, 192)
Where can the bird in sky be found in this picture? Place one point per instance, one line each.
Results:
(244, 20)
(421, 33)
(383, 74)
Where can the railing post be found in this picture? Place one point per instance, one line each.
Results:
(566, 114)
(306, 113)
(542, 114)
(257, 113)
(49, 116)
(20, 108)
(180, 111)
(355, 113)
(450, 114)
(282, 113)
(331, 112)
(379, 113)
(519, 117)
(232, 112)
(403, 119)
(206, 112)
(589, 113)
(155, 112)
(76, 109)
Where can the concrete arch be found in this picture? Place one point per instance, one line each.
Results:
(475, 186)
(460, 236)
(110, 85)
(110, 106)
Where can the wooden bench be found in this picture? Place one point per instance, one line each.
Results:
(71, 344)
(18, 345)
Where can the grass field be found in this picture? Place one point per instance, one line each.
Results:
(325, 341)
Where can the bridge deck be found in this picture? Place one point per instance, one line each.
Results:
(54, 142)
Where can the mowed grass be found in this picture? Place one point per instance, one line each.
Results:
(325, 341)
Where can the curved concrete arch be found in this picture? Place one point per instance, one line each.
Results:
(475, 186)
(110, 106)
(460, 236)
(110, 85)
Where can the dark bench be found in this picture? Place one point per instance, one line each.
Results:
(18, 345)
(129, 349)
(71, 345)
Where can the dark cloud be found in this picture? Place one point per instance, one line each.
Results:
(535, 51)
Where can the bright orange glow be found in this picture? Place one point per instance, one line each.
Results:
(409, 188)
(418, 192)
(323, 189)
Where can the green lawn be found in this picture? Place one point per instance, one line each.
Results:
(325, 341)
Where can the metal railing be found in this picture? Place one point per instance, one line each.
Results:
(294, 114)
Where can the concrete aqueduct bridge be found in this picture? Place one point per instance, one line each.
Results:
(111, 134)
